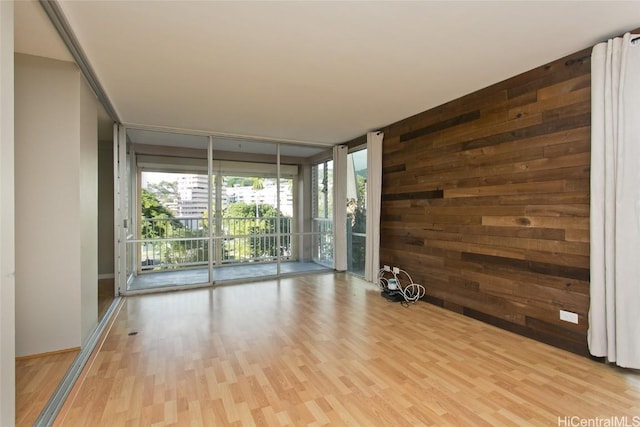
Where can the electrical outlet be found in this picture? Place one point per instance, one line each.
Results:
(387, 268)
(569, 316)
(396, 270)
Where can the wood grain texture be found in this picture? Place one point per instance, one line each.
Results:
(485, 200)
(36, 380)
(329, 350)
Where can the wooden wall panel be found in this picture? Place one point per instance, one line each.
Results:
(486, 202)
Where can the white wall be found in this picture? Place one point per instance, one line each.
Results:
(56, 206)
(7, 234)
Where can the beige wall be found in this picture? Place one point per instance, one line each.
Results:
(7, 234)
(56, 206)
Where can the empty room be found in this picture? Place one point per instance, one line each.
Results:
(319, 213)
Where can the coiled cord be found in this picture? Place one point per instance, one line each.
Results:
(411, 293)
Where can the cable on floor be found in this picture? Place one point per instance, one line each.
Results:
(391, 282)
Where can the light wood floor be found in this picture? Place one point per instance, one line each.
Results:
(328, 350)
(36, 380)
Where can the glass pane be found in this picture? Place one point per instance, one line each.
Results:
(128, 214)
(249, 219)
(287, 221)
(356, 211)
(322, 222)
(248, 216)
(172, 230)
(260, 223)
(323, 182)
(167, 263)
(323, 241)
(301, 259)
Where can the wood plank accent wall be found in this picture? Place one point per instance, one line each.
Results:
(485, 201)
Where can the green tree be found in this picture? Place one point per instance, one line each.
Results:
(244, 219)
(158, 222)
(257, 183)
(232, 181)
(357, 220)
(152, 211)
(166, 192)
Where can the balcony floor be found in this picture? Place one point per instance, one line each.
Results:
(251, 271)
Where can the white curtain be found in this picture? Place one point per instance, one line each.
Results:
(340, 207)
(374, 192)
(614, 314)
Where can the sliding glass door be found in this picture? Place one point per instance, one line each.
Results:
(207, 210)
(248, 237)
(169, 234)
(172, 229)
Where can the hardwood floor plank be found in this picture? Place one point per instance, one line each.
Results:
(36, 380)
(328, 350)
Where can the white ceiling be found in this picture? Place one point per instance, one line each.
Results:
(34, 34)
(322, 72)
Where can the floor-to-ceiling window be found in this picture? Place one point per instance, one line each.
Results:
(172, 229)
(167, 238)
(253, 215)
(209, 210)
(356, 211)
(322, 185)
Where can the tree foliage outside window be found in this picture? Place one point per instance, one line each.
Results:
(158, 222)
(252, 231)
(357, 213)
(166, 193)
(152, 212)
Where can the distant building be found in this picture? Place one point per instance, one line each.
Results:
(193, 196)
(267, 195)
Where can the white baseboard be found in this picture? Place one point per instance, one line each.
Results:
(106, 276)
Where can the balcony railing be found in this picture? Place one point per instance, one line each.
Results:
(323, 241)
(176, 243)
